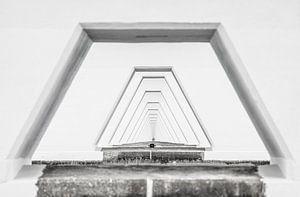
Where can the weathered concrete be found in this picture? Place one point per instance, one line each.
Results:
(177, 156)
(152, 151)
(99, 187)
(204, 162)
(87, 181)
(104, 180)
(153, 156)
(198, 187)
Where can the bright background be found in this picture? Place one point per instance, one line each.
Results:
(34, 33)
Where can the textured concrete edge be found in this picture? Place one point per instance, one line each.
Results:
(249, 180)
(97, 162)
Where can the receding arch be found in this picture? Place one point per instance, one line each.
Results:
(155, 88)
(148, 79)
(78, 46)
(127, 136)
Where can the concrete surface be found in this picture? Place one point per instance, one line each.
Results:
(28, 177)
(221, 180)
